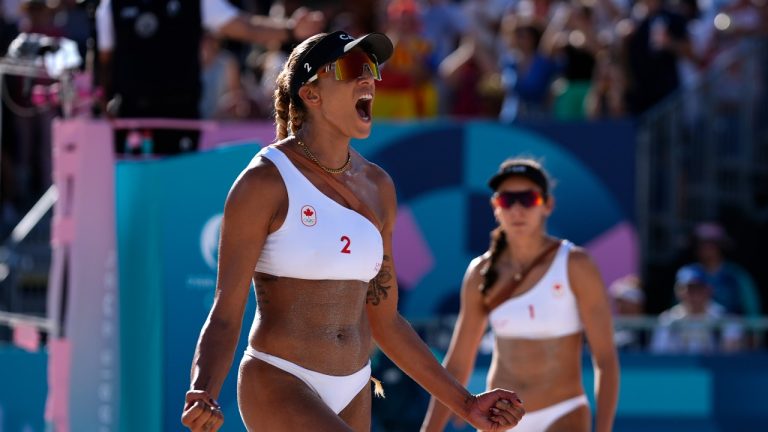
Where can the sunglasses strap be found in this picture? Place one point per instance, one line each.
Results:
(509, 289)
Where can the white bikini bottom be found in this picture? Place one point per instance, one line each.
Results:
(540, 420)
(336, 391)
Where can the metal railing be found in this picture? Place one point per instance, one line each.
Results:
(704, 151)
(437, 331)
(13, 319)
(25, 258)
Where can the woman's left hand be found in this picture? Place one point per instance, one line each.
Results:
(496, 410)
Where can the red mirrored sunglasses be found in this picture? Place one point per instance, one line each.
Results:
(528, 198)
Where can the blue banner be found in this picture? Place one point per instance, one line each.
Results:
(168, 217)
(22, 389)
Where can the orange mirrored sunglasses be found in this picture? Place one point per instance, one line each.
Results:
(351, 65)
(527, 199)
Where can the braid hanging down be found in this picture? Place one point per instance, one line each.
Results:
(497, 246)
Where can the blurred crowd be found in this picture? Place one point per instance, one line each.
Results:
(507, 59)
(512, 60)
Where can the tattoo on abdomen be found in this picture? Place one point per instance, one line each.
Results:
(261, 297)
(378, 286)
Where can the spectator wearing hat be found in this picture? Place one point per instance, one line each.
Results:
(732, 286)
(697, 324)
(628, 301)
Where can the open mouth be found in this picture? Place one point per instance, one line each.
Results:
(363, 107)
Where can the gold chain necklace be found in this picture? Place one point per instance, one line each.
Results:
(313, 158)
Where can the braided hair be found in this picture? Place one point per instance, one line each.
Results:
(489, 273)
(290, 111)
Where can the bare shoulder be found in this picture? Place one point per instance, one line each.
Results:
(582, 270)
(579, 257)
(379, 176)
(257, 186)
(478, 263)
(383, 185)
(474, 274)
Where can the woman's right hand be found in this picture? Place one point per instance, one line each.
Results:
(201, 412)
(495, 410)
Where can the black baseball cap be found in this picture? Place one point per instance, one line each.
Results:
(522, 169)
(334, 45)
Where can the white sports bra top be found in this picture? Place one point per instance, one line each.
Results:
(547, 310)
(320, 239)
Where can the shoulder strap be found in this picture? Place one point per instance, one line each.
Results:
(351, 199)
(513, 284)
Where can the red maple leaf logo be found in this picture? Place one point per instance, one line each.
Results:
(308, 212)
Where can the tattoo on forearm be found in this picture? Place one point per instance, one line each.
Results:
(378, 286)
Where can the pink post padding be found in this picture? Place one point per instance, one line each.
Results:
(62, 231)
(83, 259)
(26, 337)
(57, 405)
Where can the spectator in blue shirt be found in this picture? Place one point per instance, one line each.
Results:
(732, 286)
(697, 324)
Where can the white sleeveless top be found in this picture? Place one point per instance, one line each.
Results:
(320, 239)
(547, 310)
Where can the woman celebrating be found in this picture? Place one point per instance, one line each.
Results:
(539, 294)
(310, 222)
